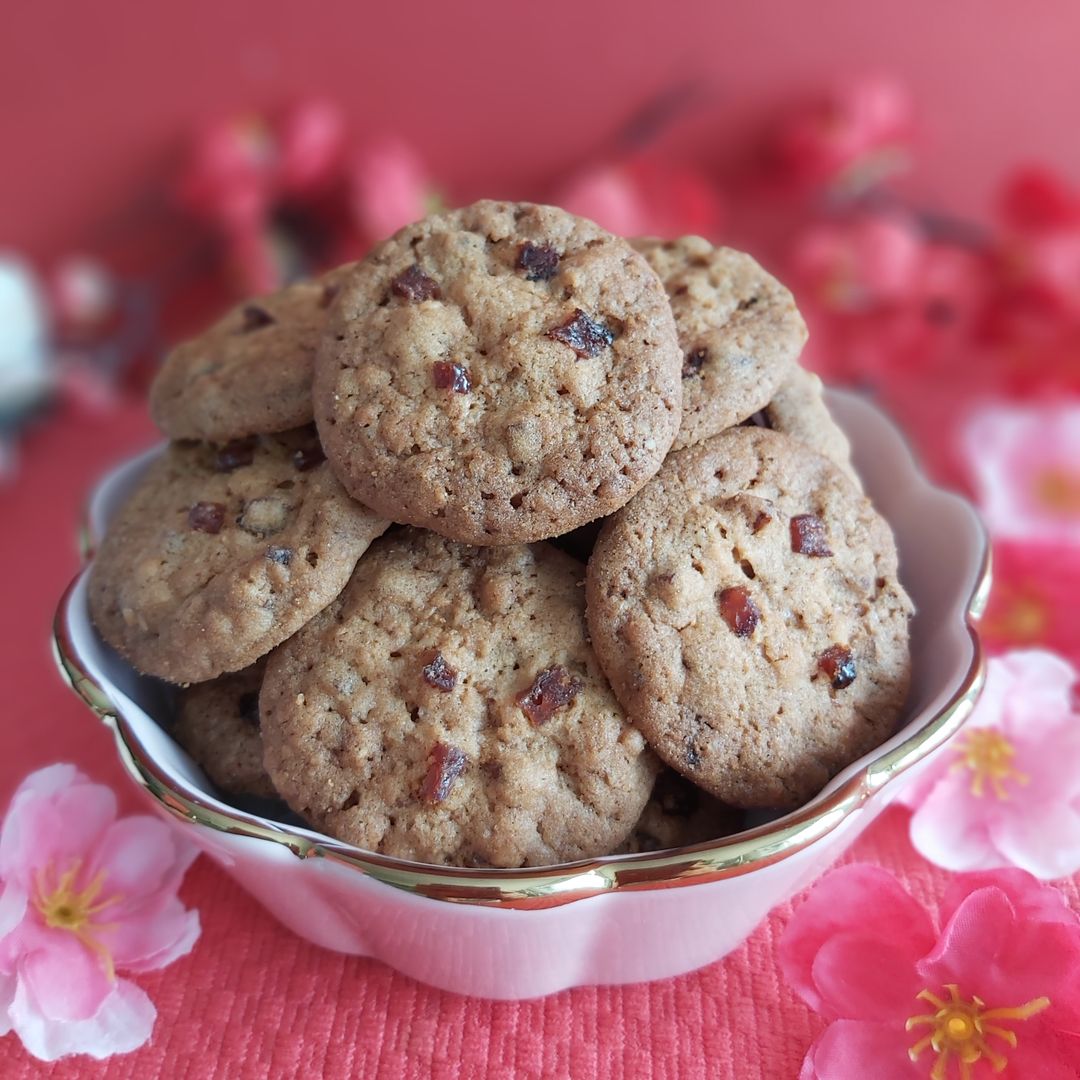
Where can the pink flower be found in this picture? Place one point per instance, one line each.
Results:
(83, 295)
(229, 177)
(608, 196)
(645, 196)
(85, 894)
(1036, 258)
(859, 265)
(1036, 199)
(390, 188)
(885, 302)
(850, 135)
(310, 140)
(1025, 606)
(1006, 790)
(1025, 463)
(994, 989)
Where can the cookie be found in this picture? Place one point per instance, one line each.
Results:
(499, 374)
(447, 708)
(251, 372)
(221, 553)
(678, 814)
(746, 608)
(798, 409)
(217, 723)
(739, 331)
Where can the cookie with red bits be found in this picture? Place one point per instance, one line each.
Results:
(250, 373)
(747, 610)
(740, 332)
(499, 374)
(679, 814)
(217, 723)
(798, 409)
(448, 708)
(221, 553)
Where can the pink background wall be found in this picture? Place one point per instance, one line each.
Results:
(500, 95)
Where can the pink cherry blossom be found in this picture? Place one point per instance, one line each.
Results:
(1037, 252)
(1025, 463)
(1006, 790)
(390, 187)
(884, 303)
(848, 136)
(859, 265)
(310, 140)
(644, 196)
(1034, 198)
(608, 196)
(994, 989)
(85, 895)
(229, 178)
(82, 294)
(1025, 606)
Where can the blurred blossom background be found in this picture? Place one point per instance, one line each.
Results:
(911, 171)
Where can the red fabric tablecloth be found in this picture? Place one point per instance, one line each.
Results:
(254, 1001)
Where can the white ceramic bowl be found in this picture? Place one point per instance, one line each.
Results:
(621, 919)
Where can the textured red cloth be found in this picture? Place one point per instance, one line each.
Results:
(252, 1000)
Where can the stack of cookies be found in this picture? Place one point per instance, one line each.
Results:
(513, 544)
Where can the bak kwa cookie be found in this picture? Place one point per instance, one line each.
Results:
(798, 409)
(499, 374)
(746, 608)
(678, 814)
(739, 331)
(221, 553)
(217, 723)
(447, 708)
(251, 372)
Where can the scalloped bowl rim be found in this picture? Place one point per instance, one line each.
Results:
(550, 886)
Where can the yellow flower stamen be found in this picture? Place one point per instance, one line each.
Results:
(1058, 489)
(1022, 617)
(960, 1029)
(64, 907)
(989, 755)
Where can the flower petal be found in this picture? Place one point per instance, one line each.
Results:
(52, 830)
(153, 939)
(12, 908)
(841, 900)
(122, 1024)
(1043, 1052)
(8, 982)
(141, 856)
(64, 979)
(1031, 899)
(949, 829)
(1009, 448)
(854, 1048)
(51, 779)
(1049, 756)
(1035, 676)
(1046, 844)
(986, 949)
(859, 977)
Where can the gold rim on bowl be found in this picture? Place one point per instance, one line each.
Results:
(553, 886)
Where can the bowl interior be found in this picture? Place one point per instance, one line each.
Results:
(943, 565)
